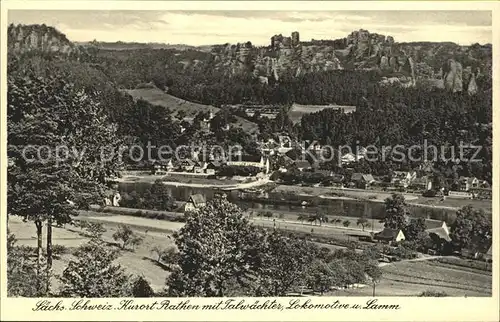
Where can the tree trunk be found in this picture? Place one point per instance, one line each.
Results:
(49, 252)
(220, 291)
(39, 254)
(49, 243)
(38, 225)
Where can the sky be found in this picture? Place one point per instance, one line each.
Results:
(217, 27)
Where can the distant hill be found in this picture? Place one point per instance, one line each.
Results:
(156, 96)
(120, 45)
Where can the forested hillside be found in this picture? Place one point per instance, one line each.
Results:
(385, 114)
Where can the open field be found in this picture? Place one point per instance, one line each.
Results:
(137, 222)
(412, 278)
(486, 205)
(297, 111)
(404, 278)
(138, 262)
(156, 96)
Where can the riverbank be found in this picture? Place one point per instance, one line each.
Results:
(377, 196)
(191, 181)
(261, 184)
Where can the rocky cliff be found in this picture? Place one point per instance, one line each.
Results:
(406, 62)
(25, 38)
(288, 55)
(448, 65)
(284, 55)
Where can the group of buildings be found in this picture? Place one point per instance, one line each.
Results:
(209, 166)
(284, 150)
(436, 230)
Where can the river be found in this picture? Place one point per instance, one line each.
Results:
(278, 202)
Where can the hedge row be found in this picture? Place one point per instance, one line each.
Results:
(475, 264)
(146, 214)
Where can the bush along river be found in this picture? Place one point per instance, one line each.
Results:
(291, 203)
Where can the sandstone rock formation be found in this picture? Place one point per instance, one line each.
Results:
(452, 76)
(24, 38)
(472, 87)
(359, 50)
(284, 55)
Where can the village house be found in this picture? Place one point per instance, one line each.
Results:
(199, 167)
(285, 144)
(389, 236)
(186, 165)
(361, 153)
(251, 161)
(487, 256)
(205, 122)
(195, 202)
(212, 167)
(467, 183)
(438, 228)
(422, 183)
(362, 181)
(402, 179)
(268, 147)
(348, 158)
(167, 165)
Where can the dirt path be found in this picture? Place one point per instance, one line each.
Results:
(245, 185)
(298, 223)
(419, 259)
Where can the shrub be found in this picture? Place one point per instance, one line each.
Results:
(403, 252)
(170, 255)
(126, 236)
(58, 250)
(469, 263)
(22, 276)
(95, 230)
(93, 273)
(431, 293)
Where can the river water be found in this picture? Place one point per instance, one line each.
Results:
(279, 203)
